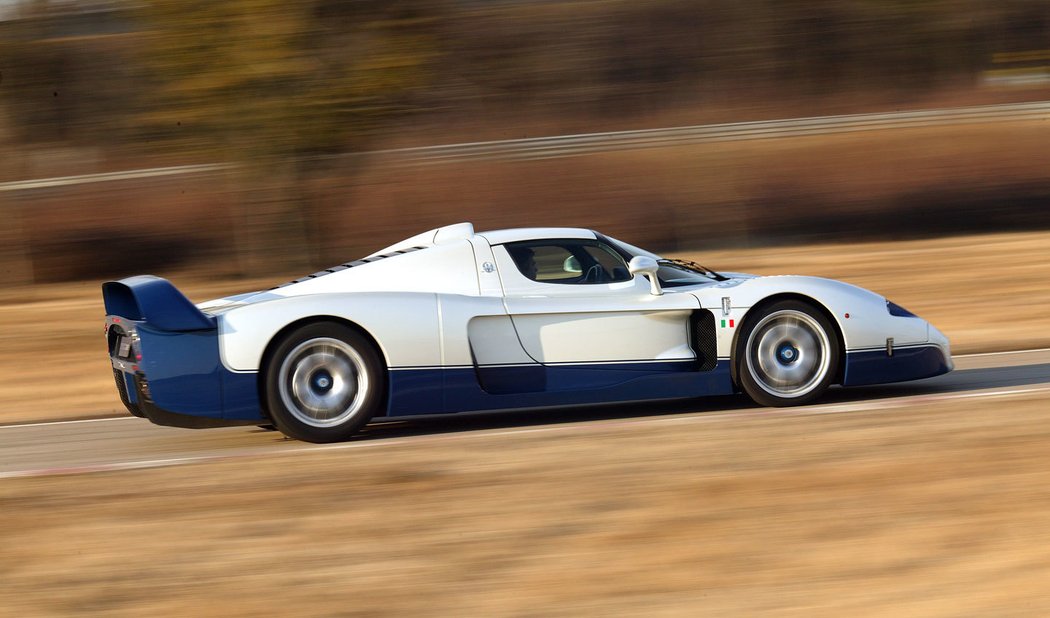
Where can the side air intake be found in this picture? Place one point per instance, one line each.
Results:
(703, 339)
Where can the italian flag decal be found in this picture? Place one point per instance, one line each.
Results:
(731, 323)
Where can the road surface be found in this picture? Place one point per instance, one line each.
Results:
(112, 444)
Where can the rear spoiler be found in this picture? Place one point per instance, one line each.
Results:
(155, 301)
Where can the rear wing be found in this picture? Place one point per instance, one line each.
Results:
(156, 301)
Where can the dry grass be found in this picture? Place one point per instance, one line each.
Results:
(985, 292)
(931, 510)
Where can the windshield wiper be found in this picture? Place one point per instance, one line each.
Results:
(693, 266)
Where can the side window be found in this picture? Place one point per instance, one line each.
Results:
(568, 261)
(553, 264)
(609, 265)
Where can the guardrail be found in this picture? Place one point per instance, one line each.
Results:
(63, 181)
(575, 145)
(589, 143)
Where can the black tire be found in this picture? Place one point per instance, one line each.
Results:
(787, 354)
(324, 381)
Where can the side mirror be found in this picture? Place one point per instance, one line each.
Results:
(645, 265)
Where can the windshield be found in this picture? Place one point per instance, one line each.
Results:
(672, 273)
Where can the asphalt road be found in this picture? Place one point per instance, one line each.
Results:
(112, 444)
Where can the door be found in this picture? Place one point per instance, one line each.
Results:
(580, 315)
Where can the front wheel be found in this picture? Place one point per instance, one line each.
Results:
(324, 381)
(787, 355)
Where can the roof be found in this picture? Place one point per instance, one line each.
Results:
(498, 237)
(460, 231)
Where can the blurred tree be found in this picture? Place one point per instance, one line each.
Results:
(284, 87)
(65, 76)
(281, 87)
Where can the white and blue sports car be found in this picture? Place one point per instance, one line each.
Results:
(452, 321)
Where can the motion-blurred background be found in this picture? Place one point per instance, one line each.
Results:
(292, 109)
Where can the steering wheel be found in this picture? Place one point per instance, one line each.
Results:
(594, 274)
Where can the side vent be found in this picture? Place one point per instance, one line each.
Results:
(703, 338)
(335, 269)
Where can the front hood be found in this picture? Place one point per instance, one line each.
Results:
(747, 290)
(734, 279)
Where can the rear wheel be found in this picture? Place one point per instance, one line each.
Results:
(787, 355)
(324, 381)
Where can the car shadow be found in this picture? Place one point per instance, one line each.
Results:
(958, 381)
(965, 380)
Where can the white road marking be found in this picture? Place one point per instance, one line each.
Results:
(70, 422)
(691, 417)
(980, 354)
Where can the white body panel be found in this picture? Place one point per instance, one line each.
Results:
(600, 322)
(611, 336)
(440, 236)
(597, 322)
(405, 325)
(867, 327)
(444, 269)
(461, 301)
(499, 237)
(494, 340)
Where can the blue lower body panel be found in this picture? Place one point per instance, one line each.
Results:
(458, 389)
(877, 367)
(182, 382)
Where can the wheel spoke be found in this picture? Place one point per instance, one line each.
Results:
(788, 354)
(323, 382)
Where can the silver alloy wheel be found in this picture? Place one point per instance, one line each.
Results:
(323, 382)
(788, 354)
